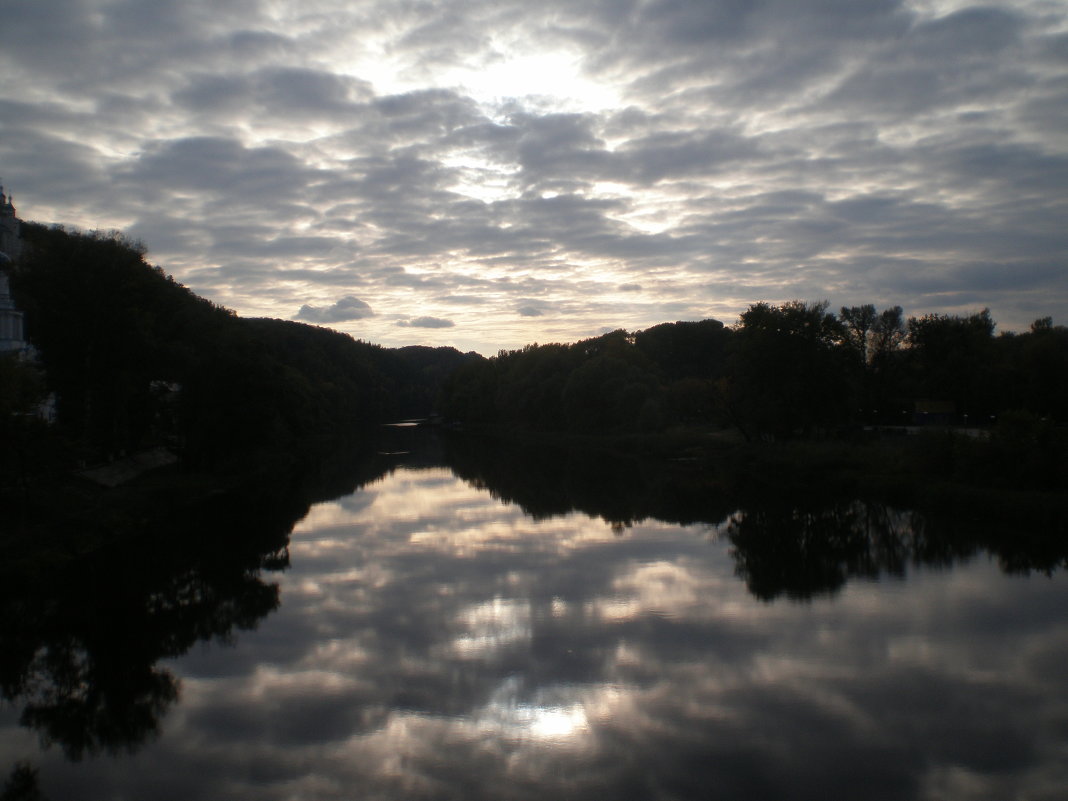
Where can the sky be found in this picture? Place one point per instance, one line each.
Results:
(491, 174)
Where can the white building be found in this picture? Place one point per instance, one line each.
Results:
(12, 336)
(12, 330)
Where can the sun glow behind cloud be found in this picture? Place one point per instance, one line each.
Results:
(548, 79)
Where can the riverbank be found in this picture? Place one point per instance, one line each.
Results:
(64, 516)
(1015, 478)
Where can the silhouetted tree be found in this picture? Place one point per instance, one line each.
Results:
(22, 785)
(1036, 368)
(21, 390)
(789, 374)
(874, 338)
(887, 335)
(689, 358)
(951, 359)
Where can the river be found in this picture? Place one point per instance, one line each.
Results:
(432, 634)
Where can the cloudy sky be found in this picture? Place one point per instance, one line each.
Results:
(490, 173)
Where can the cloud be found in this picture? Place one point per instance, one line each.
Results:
(218, 164)
(426, 322)
(347, 308)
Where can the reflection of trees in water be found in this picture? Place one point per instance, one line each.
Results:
(813, 546)
(546, 481)
(79, 649)
(798, 545)
(22, 785)
(805, 551)
(80, 653)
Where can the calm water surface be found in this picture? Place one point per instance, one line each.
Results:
(435, 642)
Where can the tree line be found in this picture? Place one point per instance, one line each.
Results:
(785, 371)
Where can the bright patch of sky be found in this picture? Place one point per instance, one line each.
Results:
(510, 73)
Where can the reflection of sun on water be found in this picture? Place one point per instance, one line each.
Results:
(553, 714)
(552, 722)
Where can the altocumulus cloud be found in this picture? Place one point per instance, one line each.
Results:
(347, 308)
(426, 322)
(531, 308)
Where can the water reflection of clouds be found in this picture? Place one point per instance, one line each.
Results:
(423, 495)
(434, 510)
(674, 654)
(469, 534)
(662, 588)
(500, 622)
(462, 650)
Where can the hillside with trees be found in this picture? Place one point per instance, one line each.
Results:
(136, 360)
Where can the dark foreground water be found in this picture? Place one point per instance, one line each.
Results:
(431, 641)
